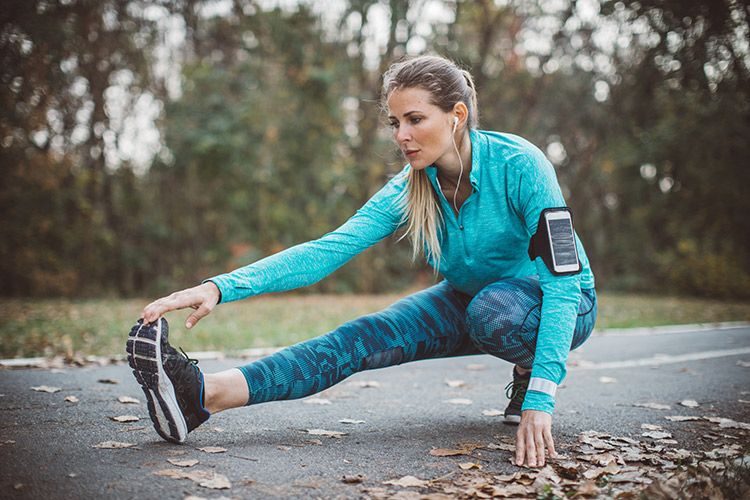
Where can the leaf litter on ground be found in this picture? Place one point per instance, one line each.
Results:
(46, 388)
(599, 463)
(125, 418)
(126, 400)
(204, 478)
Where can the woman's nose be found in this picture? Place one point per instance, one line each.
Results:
(402, 134)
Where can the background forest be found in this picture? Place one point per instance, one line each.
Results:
(145, 146)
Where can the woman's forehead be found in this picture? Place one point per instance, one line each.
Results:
(404, 100)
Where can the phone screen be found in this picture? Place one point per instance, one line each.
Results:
(563, 242)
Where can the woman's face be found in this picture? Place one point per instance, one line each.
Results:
(422, 130)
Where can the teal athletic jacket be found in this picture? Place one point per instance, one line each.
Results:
(512, 183)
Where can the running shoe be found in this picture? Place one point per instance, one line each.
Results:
(516, 392)
(171, 381)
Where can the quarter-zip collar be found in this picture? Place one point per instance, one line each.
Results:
(476, 154)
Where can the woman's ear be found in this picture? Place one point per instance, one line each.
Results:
(461, 112)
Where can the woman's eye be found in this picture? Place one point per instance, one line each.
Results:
(393, 124)
(416, 120)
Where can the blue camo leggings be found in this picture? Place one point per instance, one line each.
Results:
(501, 320)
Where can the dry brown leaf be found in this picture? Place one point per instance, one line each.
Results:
(501, 446)
(469, 465)
(690, 403)
(443, 452)
(71, 399)
(629, 477)
(126, 400)
(108, 381)
(317, 401)
(408, 482)
(351, 421)
(598, 471)
(46, 388)
(652, 427)
(657, 434)
(125, 418)
(587, 489)
(728, 423)
(511, 490)
(369, 384)
(458, 401)
(349, 479)
(182, 463)
(217, 482)
(113, 445)
(455, 383)
(653, 406)
(213, 449)
(546, 475)
(493, 413)
(682, 418)
(323, 432)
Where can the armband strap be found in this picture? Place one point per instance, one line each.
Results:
(542, 385)
(558, 249)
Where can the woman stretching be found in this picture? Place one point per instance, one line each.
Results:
(486, 211)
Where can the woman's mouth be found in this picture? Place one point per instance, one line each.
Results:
(409, 153)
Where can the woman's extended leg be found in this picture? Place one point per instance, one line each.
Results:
(427, 324)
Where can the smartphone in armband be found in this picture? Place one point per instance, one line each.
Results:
(555, 241)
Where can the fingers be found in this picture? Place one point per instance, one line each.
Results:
(539, 443)
(520, 448)
(199, 313)
(177, 300)
(530, 447)
(550, 442)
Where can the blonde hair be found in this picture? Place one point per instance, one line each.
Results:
(447, 85)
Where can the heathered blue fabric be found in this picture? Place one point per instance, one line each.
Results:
(512, 183)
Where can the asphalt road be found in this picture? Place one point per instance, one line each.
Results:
(46, 443)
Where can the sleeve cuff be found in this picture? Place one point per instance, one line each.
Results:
(539, 401)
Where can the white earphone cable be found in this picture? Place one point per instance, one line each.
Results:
(458, 184)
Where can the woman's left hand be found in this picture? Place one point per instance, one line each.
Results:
(534, 435)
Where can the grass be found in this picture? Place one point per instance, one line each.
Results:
(51, 327)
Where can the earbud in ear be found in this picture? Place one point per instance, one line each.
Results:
(455, 123)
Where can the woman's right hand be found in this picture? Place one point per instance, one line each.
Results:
(203, 298)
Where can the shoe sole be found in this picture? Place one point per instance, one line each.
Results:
(144, 357)
(512, 419)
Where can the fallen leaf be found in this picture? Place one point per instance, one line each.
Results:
(128, 400)
(455, 383)
(113, 445)
(651, 427)
(598, 471)
(213, 449)
(657, 434)
(125, 418)
(746, 364)
(71, 399)
(217, 429)
(458, 401)
(607, 380)
(444, 452)
(408, 482)
(108, 381)
(217, 482)
(469, 465)
(653, 406)
(501, 446)
(317, 401)
(182, 463)
(743, 401)
(351, 421)
(728, 423)
(690, 403)
(545, 476)
(46, 388)
(682, 418)
(353, 479)
(587, 489)
(369, 383)
(493, 413)
(323, 432)
(629, 477)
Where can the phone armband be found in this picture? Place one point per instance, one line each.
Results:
(554, 241)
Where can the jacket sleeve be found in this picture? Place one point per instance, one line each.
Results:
(534, 188)
(310, 262)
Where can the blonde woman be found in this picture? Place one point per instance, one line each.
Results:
(471, 201)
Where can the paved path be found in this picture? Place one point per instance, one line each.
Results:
(46, 443)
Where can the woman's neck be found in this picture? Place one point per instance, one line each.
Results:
(449, 165)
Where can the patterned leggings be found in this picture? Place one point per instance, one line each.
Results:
(501, 320)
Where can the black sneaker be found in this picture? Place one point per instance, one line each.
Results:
(171, 381)
(516, 392)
